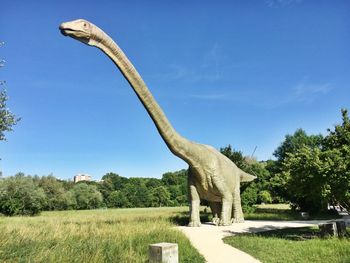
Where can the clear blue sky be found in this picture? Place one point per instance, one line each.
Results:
(244, 73)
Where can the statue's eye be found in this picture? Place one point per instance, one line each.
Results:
(85, 24)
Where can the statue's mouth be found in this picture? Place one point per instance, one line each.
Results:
(76, 34)
(66, 32)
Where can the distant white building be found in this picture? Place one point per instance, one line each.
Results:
(82, 177)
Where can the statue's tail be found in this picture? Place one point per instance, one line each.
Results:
(245, 177)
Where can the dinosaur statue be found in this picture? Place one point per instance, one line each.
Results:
(211, 175)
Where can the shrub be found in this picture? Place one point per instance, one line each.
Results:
(87, 196)
(264, 197)
(20, 196)
(117, 199)
(57, 198)
(249, 197)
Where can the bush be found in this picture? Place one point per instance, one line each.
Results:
(117, 199)
(249, 197)
(57, 198)
(87, 196)
(264, 197)
(20, 196)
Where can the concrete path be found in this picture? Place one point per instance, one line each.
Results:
(207, 239)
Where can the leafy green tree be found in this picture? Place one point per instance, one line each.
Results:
(130, 192)
(176, 184)
(305, 183)
(7, 118)
(142, 195)
(319, 174)
(263, 185)
(296, 141)
(175, 194)
(175, 178)
(66, 201)
(249, 197)
(20, 196)
(160, 196)
(137, 192)
(66, 184)
(115, 179)
(153, 182)
(264, 196)
(57, 198)
(291, 145)
(117, 199)
(110, 183)
(336, 158)
(87, 196)
(277, 182)
(340, 137)
(235, 156)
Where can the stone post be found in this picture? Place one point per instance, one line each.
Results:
(328, 229)
(163, 253)
(341, 228)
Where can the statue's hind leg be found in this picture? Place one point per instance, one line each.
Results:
(216, 211)
(223, 190)
(226, 210)
(237, 207)
(194, 203)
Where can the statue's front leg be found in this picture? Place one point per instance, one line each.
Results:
(226, 211)
(194, 204)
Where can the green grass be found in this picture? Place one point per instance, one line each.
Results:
(123, 235)
(113, 235)
(292, 245)
(282, 212)
(273, 212)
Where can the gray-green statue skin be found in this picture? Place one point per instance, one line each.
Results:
(211, 175)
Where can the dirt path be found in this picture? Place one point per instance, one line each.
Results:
(208, 238)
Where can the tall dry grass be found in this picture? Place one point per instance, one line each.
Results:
(113, 235)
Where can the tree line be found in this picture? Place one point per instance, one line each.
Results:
(309, 172)
(29, 195)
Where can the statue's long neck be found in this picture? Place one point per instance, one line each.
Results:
(176, 143)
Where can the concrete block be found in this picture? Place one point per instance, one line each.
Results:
(328, 229)
(164, 253)
(341, 228)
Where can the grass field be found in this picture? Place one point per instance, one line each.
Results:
(283, 212)
(123, 235)
(113, 235)
(302, 245)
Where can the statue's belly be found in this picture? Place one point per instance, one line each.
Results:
(208, 193)
(202, 179)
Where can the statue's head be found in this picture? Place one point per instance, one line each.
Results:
(79, 29)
